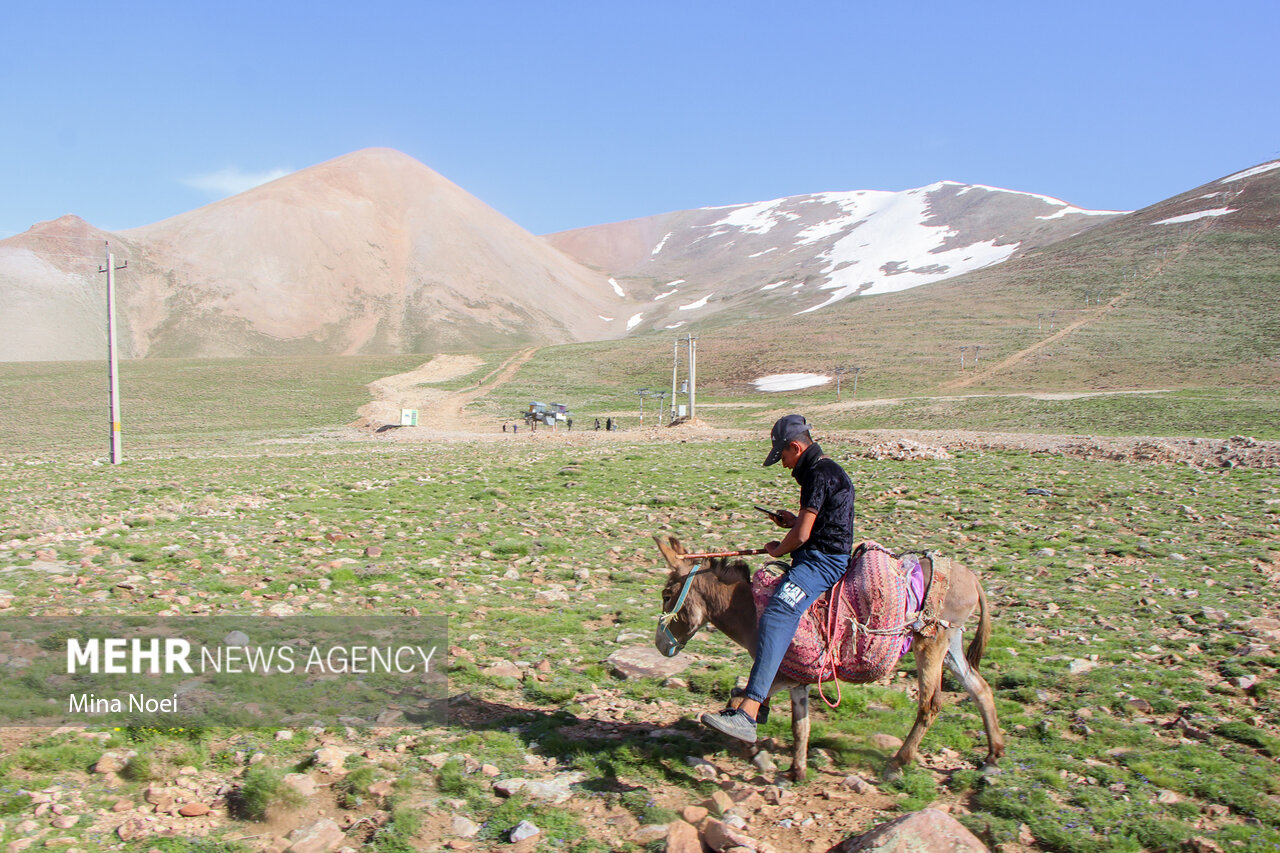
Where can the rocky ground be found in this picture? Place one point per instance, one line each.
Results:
(1135, 603)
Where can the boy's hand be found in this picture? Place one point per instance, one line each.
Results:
(784, 519)
(774, 549)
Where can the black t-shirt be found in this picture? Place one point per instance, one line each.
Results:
(827, 490)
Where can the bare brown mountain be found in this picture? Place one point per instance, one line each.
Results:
(372, 252)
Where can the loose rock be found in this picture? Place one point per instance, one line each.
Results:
(930, 830)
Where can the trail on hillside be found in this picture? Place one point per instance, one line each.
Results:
(438, 410)
(1090, 317)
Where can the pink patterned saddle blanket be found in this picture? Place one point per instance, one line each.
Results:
(867, 632)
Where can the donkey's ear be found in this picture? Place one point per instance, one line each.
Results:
(671, 551)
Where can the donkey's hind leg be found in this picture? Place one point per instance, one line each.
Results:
(799, 732)
(978, 689)
(929, 655)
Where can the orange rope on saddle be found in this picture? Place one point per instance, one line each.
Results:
(828, 633)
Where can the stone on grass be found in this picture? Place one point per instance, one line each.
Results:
(720, 836)
(330, 758)
(858, 785)
(113, 761)
(683, 838)
(464, 828)
(302, 783)
(694, 814)
(502, 669)
(134, 827)
(322, 836)
(553, 791)
(193, 810)
(719, 803)
(649, 832)
(931, 830)
(887, 742)
(646, 662)
(524, 829)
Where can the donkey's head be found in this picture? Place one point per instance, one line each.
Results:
(693, 595)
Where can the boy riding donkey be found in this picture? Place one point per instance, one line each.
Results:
(819, 541)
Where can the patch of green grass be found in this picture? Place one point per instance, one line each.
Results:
(1242, 732)
(919, 786)
(262, 789)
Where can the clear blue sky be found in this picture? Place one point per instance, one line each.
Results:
(569, 114)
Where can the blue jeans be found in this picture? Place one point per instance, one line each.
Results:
(812, 573)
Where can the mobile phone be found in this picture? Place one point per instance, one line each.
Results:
(771, 513)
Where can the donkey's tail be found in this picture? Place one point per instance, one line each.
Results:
(979, 645)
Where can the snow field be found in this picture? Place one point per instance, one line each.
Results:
(789, 381)
(1192, 217)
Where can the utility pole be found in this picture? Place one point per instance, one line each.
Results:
(693, 375)
(856, 371)
(675, 362)
(113, 372)
(641, 392)
(962, 350)
(976, 347)
(839, 371)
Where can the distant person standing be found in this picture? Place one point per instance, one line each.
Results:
(569, 421)
(597, 424)
(504, 426)
(608, 425)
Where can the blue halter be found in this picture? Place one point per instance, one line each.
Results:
(666, 618)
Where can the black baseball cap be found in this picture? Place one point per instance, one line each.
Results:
(785, 430)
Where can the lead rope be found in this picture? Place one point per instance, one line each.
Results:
(829, 632)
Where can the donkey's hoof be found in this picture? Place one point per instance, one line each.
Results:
(891, 773)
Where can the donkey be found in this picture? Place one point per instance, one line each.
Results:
(720, 594)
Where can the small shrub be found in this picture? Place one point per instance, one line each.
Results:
(139, 768)
(353, 788)
(262, 788)
(452, 779)
(1249, 736)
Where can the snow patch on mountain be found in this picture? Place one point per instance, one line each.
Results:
(776, 284)
(617, 288)
(1080, 211)
(790, 381)
(699, 304)
(1192, 217)
(892, 248)
(661, 243)
(1047, 199)
(1249, 173)
(634, 321)
(758, 218)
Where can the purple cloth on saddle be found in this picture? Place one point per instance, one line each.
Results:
(915, 591)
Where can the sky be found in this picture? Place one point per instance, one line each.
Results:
(567, 114)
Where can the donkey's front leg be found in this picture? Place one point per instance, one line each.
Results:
(929, 655)
(799, 732)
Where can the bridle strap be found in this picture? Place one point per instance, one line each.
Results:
(666, 617)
